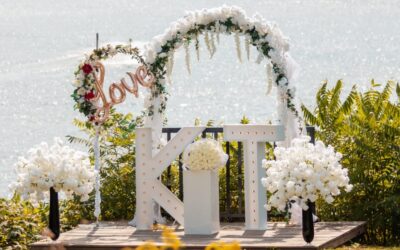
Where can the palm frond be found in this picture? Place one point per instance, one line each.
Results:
(361, 112)
(322, 102)
(321, 93)
(309, 117)
(80, 124)
(74, 139)
(392, 111)
(374, 84)
(391, 131)
(334, 104)
(387, 91)
(349, 101)
(369, 100)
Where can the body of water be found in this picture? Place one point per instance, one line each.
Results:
(43, 41)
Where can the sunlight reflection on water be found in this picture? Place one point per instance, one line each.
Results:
(42, 42)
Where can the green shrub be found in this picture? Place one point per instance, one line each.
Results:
(74, 212)
(365, 127)
(20, 223)
(117, 149)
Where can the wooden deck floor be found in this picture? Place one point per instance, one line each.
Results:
(278, 236)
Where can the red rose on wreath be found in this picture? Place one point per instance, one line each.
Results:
(89, 95)
(87, 68)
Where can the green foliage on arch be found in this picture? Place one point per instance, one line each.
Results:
(260, 41)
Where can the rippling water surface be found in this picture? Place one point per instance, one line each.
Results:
(42, 42)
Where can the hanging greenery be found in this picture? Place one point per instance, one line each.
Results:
(267, 39)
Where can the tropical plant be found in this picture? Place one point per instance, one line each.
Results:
(365, 127)
(330, 111)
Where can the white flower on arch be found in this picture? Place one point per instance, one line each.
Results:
(266, 37)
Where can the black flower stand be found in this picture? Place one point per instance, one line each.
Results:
(308, 222)
(54, 215)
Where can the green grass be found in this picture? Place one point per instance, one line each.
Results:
(358, 246)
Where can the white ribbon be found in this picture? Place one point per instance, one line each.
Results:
(270, 77)
(97, 199)
(294, 126)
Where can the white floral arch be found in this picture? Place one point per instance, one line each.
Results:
(267, 38)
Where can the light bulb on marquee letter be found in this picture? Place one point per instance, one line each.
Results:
(149, 167)
(254, 138)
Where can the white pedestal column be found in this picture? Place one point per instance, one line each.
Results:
(201, 202)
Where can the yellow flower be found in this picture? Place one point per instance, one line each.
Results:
(212, 246)
(147, 246)
(223, 246)
(234, 246)
(170, 239)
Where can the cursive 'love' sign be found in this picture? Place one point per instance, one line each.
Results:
(117, 91)
(91, 99)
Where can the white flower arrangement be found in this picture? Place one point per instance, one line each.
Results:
(302, 172)
(58, 166)
(204, 154)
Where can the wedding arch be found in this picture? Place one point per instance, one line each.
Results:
(159, 58)
(266, 38)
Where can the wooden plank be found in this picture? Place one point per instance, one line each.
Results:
(278, 235)
(347, 236)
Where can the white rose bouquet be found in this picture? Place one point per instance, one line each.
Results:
(204, 154)
(302, 172)
(58, 166)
